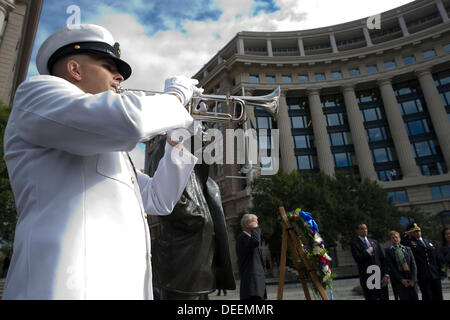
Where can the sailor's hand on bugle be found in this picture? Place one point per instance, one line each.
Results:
(183, 87)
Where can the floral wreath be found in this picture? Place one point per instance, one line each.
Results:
(318, 255)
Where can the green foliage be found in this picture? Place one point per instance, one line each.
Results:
(337, 204)
(8, 217)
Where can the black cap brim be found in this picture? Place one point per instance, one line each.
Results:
(99, 48)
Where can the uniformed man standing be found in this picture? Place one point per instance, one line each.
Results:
(429, 269)
(81, 205)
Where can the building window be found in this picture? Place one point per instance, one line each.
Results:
(319, 77)
(445, 218)
(270, 79)
(429, 54)
(340, 138)
(376, 134)
(439, 192)
(264, 142)
(299, 122)
(389, 64)
(305, 162)
(329, 104)
(445, 97)
(447, 48)
(411, 106)
(302, 142)
(432, 169)
(404, 91)
(372, 69)
(367, 96)
(372, 114)
(388, 175)
(342, 159)
(398, 196)
(417, 127)
(294, 107)
(409, 60)
(264, 122)
(424, 148)
(303, 78)
(254, 78)
(381, 155)
(286, 79)
(442, 78)
(336, 75)
(335, 119)
(353, 72)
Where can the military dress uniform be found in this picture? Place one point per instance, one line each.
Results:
(82, 231)
(429, 269)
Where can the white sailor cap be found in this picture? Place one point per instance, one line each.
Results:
(80, 39)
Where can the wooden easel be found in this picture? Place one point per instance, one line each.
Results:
(289, 235)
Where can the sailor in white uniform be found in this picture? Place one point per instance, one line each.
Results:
(82, 231)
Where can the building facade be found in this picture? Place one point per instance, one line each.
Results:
(374, 101)
(18, 25)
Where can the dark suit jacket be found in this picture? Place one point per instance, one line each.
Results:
(444, 253)
(251, 265)
(429, 265)
(393, 267)
(364, 259)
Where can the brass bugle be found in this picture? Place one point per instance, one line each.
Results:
(199, 109)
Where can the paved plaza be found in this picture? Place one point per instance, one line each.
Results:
(343, 289)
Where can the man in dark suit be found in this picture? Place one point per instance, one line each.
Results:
(250, 260)
(401, 266)
(367, 253)
(429, 269)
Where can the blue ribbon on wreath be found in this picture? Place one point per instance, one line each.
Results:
(307, 217)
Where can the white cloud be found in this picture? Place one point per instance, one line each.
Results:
(168, 53)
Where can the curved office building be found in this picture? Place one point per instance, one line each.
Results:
(355, 97)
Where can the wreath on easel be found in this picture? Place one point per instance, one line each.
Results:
(316, 252)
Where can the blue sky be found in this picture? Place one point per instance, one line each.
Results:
(163, 38)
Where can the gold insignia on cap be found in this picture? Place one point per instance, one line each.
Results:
(77, 46)
(117, 48)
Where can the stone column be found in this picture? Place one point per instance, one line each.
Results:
(3, 14)
(355, 120)
(301, 48)
(437, 112)
(240, 46)
(288, 160)
(398, 131)
(367, 37)
(403, 26)
(442, 10)
(269, 48)
(321, 139)
(333, 43)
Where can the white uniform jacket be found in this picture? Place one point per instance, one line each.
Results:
(82, 231)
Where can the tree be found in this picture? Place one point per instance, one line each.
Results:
(8, 216)
(336, 203)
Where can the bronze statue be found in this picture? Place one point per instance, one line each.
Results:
(191, 254)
